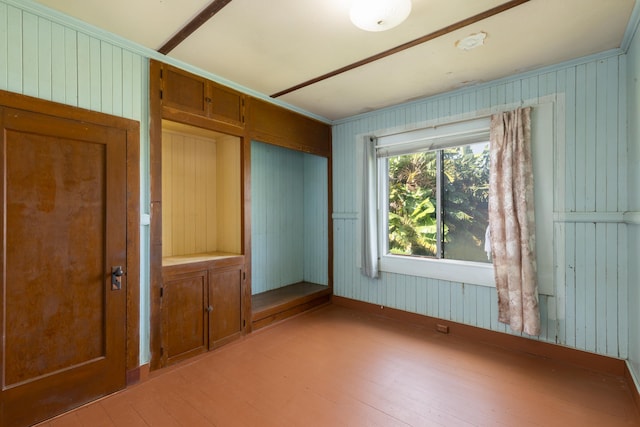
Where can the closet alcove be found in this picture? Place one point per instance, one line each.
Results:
(289, 235)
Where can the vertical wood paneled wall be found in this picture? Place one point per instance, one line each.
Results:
(189, 194)
(277, 213)
(200, 194)
(229, 203)
(51, 61)
(633, 152)
(43, 58)
(588, 309)
(316, 234)
(288, 217)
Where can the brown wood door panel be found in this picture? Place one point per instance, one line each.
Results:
(225, 104)
(184, 91)
(226, 300)
(184, 303)
(64, 206)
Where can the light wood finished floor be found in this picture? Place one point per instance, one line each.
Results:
(339, 367)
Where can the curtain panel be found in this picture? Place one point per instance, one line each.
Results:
(512, 222)
(369, 261)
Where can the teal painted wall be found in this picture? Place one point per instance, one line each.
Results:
(633, 94)
(277, 217)
(52, 60)
(316, 214)
(288, 217)
(588, 309)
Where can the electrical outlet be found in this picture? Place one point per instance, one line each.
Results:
(443, 329)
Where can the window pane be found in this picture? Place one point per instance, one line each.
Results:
(412, 204)
(465, 201)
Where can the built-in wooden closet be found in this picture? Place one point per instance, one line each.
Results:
(202, 138)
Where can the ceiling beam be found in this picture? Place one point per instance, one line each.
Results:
(207, 13)
(439, 33)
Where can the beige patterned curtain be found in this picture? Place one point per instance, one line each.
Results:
(511, 220)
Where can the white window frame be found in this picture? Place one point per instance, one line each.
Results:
(428, 139)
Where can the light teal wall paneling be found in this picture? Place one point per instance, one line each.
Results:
(315, 216)
(588, 309)
(289, 235)
(47, 60)
(277, 217)
(633, 184)
(52, 61)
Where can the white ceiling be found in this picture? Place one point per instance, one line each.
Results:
(270, 46)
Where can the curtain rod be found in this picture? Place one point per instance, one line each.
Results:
(502, 109)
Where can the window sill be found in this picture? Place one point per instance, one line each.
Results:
(474, 273)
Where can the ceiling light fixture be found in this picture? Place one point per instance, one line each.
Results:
(379, 15)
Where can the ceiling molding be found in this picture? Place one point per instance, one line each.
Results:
(207, 13)
(438, 33)
(632, 27)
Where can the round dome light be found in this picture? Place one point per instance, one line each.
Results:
(379, 15)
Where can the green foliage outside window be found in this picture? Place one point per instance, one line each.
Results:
(413, 206)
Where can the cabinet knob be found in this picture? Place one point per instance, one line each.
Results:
(209, 309)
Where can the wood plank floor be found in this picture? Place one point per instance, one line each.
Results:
(339, 367)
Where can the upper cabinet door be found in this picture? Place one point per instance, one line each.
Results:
(189, 93)
(184, 91)
(225, 104)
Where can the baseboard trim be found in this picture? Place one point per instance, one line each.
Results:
(138, 374)
(634, 385)
(591, 361)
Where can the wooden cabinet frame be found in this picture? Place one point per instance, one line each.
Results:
(260, 121)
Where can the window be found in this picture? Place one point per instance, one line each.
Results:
(435, 202)
(432, 202)
(450, 265)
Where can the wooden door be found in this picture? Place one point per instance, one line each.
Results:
(64, 211)
(185, 323)
(225, 298)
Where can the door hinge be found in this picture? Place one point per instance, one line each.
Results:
(244, 276)
(161, 351)
(244, 323)
(160, 72)
(160, 93)
(161, 292)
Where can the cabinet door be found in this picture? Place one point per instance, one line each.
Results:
(184, 91)
(185, 322)
(226, 300)
(225, 104)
